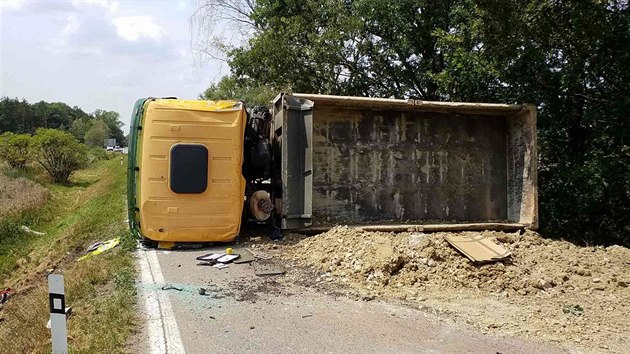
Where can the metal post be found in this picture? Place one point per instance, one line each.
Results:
(57, 300)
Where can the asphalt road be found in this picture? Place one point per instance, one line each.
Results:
(245, 313)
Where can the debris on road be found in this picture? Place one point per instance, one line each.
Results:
(531, 289)
(220, 265)
(100, 247)
(227, 258)
(478, 248)
(171, 287)
(245, 256)
(216, 258)
(210, 257)
(268, 267)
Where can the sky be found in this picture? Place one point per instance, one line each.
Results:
(100, 54)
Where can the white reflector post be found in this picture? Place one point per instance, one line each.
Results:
(57, 300)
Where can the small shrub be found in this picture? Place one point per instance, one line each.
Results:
(15, 149)
(59, 153)
(96, 154)
(9, 231)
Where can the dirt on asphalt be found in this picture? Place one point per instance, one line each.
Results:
(550, 290)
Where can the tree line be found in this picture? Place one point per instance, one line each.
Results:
(570, 58)
(21, 117)
(59, 138)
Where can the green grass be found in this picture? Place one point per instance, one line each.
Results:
(100, 289)
(14, 240)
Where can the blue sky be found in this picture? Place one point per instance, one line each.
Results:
(100, 54)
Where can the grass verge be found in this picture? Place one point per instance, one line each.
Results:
(100, 289)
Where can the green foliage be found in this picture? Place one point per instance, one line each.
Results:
(96, 135)
(76, 217)
(22, 117)
(366, 48)
(10, 230)
(78, 129)
(569, 58)
(229, 88)
(58, 152)
(113, 123)
(15, 149)
(95, 153)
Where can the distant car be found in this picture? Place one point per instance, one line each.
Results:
(109, 148)
(118, 149)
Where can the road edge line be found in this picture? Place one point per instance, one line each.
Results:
(164, 335)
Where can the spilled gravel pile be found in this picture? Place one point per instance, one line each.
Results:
(549, 289)
(427, 260)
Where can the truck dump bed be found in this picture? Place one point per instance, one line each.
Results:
(370, 161)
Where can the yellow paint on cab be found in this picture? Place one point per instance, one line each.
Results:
(215, 214)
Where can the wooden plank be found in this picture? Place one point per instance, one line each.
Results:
(422, 228)
(478, 248)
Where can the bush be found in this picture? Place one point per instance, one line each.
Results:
(59, 153)
(96, 154)
(9, 231)
(15, 149)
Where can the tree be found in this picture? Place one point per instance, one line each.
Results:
(112, 120)
(78, 128)
(97, 133)
(15, 149)
(58, 152)
(569, 58)
(369, 48)
(229, 88)
(19, 116)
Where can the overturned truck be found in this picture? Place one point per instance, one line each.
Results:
(198, 170)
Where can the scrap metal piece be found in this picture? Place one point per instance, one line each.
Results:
(268, 267)
(245, 256)
(478, 248)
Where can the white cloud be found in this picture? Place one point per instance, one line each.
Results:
(11, 4)
(132, 28)
(183, 4)
(111, 6)
(73, 52)
(71, 27)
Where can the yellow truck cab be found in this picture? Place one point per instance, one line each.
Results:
(186, 183)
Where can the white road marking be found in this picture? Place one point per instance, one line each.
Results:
(162, 328)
